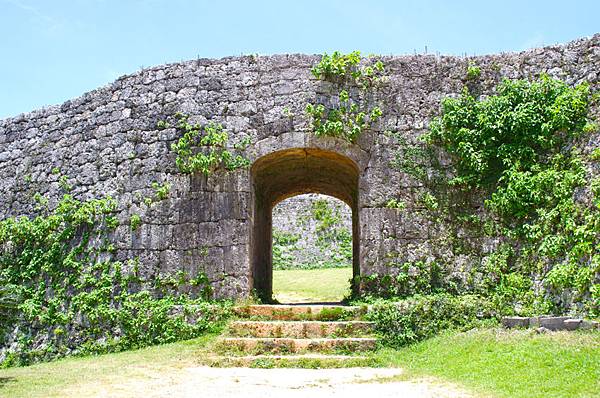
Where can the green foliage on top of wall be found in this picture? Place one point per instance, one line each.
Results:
(346, 67)
(349, 111)
(473, 71)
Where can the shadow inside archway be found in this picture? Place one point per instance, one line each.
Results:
(283, 174)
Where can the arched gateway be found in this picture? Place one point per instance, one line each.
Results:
(291, 172)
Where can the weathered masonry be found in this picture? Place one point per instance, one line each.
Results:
(107, 143)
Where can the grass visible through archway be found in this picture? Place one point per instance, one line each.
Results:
(312, 285)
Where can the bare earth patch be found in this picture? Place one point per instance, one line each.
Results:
(205, 382)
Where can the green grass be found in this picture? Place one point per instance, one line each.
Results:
(486, 362)
(65, 377)
(500, 363)
(311, 285)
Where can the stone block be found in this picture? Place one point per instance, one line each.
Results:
(553, 322)
(572, 324)
(511, 322)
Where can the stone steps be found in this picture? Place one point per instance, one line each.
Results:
(315, 335)
(300, 329)
(316, 312)
(261, 345)
(290, 361)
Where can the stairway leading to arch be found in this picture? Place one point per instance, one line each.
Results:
(296, 336)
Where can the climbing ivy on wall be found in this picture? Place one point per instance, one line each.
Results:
(330, 232)
(332, 239)
(67, 292)
(204, 148)
(284, 244)
(349, 111)
(515, 149)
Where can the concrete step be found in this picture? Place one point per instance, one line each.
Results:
(300, 329)
(254, 345)
(316, 312)
(312, 361)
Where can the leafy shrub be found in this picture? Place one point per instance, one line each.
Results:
(513, 129)
(76, 300)
(204, 148)
(352, 114)
(408, 321)
(516, 147)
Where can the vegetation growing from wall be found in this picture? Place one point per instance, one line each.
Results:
(515, 150)
(349, 111)
(205, 148)
(70, 297)
(284, 245)
(332, 239)
(409, 278)
(331, 235)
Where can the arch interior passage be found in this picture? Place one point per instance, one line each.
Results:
(288, 173)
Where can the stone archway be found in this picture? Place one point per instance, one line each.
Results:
(286, 173)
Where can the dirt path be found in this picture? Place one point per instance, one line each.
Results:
(208, 382)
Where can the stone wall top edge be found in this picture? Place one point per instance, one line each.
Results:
(277, 59)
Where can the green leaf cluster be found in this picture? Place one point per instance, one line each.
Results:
(346, 67)
(516, 129)
(422, 316)
(205, 148)
(351, 114)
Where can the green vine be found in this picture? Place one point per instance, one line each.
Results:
(516, 148)
(351, 112)
(66, 291)
(330, 232)
(204, 148)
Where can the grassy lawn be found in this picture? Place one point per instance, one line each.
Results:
(487, 362)
(311, 285)
(501, 363)
(63, 377)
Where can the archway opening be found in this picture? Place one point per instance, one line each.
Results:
(287, 173)
(312, 249)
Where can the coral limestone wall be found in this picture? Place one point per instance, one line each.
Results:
(107, 142)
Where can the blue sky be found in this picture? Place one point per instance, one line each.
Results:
(53, 50)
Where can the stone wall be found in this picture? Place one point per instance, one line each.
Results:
(107, 143)
(295, 218)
